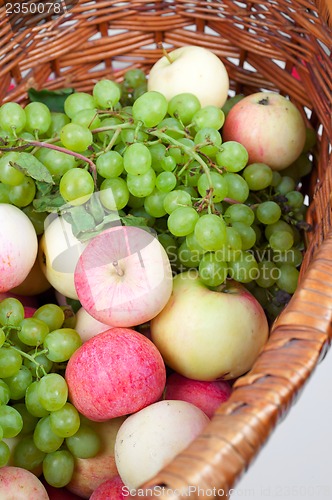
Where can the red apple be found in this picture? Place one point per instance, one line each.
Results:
(113, 489)
(123, 277)
(208, 334)
(207, 396)
(20, 484)
(115, 373)
(269, 126)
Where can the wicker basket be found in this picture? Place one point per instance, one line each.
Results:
(280, 45)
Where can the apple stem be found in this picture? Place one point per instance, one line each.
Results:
(165, 53)
(264, 101)
(118, 270)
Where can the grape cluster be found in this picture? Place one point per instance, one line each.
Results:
(162, 165)
(34, 405)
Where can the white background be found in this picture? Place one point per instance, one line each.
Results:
(296, 462)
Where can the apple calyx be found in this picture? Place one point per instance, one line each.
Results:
(264, 101)
(119, 271)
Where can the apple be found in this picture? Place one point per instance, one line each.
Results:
(207, 396)
(113, 489)
(87, 326)
(18, 246)
(35, 282)
(207, 334)
(59, 251)
(27, 301)
(115, 373)
(191, 69)
(89, 473)
(269, 126)
(20, 484)
(123, 277)
(150, 438)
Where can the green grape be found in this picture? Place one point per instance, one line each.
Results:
(56, 162)
(75, 137)
(276, 177)
(77, 101)
(281, 240)
(8, 174)
(166, 181)
(44, 438)
(231, 101)
(175, 199)
(85, 443)
(281, 225)
(37, 218)
(233, 156)
(58, 120)
(247, 234)
(187, 257)
(109, 165)
(288, 278)
(258, 176)
(285, 185)
(134, 202)
(137, 159)
(32, 401)
(268, 212)
(33, 331)
(11, 421)
(268, 274)
(87, 118)
(114, 193)
(11, 312)
(51, 314)
(168, 242)
(239, 213)
(4, 393)
(38, 117)
(4, 453)
(58, 468)
(76, 186)
(26, 454)
(182, 221)
(193, 244)
(212, 271)
(293, 256)
(39, 364)
(23, 194)
(192, 174)
(2, 337)
(234, 240)
(181, 153)
(158, 152)
(208, 116)
(106, 93)
(29, 421)
(19, 383)
(66, 421)
(10, 361)
(134, 78)
(238, 188)
(107, 135)
(12, 117)
(208, 141)
(295, 199)
(218, 185)
(183, 107)
(188, 189)
(141, 212)
(141, 185)
(130, 136)
(154, 203)
(4, 193)
(301, 167)
(244, 268)
(210, 232)
(171, 127)
(150, 108)
(62, 344)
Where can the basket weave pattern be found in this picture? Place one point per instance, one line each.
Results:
(279, 45)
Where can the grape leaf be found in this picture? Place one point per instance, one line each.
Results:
(49, 203)
(95, 208)
(133, 220)
(54, 99)
(29, 165)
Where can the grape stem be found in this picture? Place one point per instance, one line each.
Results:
(29, 356)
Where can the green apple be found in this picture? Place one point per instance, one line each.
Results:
(191, 69)
(206, 334)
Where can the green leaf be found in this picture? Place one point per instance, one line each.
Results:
(81, 219)
(132, 220)
(43, 188)
(29, 165)
(50, 203)
(96, 208)
(54, 99)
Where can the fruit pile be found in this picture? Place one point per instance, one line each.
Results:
(144, 206)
